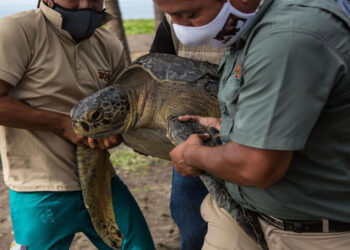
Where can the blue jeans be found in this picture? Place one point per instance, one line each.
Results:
(49, 220)
(187, 194)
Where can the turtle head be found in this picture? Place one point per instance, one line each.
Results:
(101, 114)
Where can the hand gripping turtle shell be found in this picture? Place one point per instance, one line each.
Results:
(143, 106)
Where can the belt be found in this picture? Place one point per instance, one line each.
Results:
(307, 226)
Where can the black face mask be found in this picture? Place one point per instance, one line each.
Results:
(80, 23)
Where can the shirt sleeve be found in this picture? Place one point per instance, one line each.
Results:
(288, 77)
(14, 51)
(163, 40)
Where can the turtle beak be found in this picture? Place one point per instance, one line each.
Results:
(81, 128)
(85, 126)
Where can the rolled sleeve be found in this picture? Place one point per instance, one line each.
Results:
(14, 51)
(287, 79)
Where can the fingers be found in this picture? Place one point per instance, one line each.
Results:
(115, 140)
(179, 163)
(81, 141)
(188, 171)
(198, 139)
(92, 143)
(111, 141)
(204, 137)
(96, 143)
(205, 121)
(186, 118)
(104, 143)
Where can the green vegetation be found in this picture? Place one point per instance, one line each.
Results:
(130, 161)
(138, 26)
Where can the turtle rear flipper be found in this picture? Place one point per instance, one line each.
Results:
(95, 173)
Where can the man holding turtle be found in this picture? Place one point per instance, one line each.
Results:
(284, 96)
(50, 59)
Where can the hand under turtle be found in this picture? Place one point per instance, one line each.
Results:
(177, 154)
(105, 143)
(66, 131)
(205, 121)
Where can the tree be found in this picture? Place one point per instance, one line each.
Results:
(116, 26)
(158, 16)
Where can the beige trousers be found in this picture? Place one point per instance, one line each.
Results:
(224, 234)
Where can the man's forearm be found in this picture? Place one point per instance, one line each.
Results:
(212, 160)
(14, 113)
(239, 164)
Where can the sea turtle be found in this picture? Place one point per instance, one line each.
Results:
(143, 106)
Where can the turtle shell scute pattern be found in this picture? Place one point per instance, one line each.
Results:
(180, 69)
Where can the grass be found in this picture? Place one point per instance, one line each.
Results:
(131, 161)
(138, 26)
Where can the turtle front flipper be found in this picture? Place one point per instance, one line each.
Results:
(95, 173)
(178, 132)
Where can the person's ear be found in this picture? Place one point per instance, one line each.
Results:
(49, 3)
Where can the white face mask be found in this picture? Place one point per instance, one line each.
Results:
(222, 32)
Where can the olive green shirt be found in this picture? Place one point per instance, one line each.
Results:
(286, 86)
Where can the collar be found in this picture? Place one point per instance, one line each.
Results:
(56, 18)
(263, 7)
(260, 4)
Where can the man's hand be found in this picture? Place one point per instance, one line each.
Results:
(66, 131)
(205, 121)
(177, 155)
(105, 143)
(19, 115)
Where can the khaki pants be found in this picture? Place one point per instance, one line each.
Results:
(224, 234)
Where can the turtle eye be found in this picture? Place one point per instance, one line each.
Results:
(96, 115)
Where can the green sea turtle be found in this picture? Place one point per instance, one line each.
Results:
(143, 106)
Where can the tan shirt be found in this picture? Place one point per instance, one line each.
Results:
(201, 52)
(49, 71)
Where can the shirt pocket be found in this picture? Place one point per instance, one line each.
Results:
(229, 98)
(230, 94)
